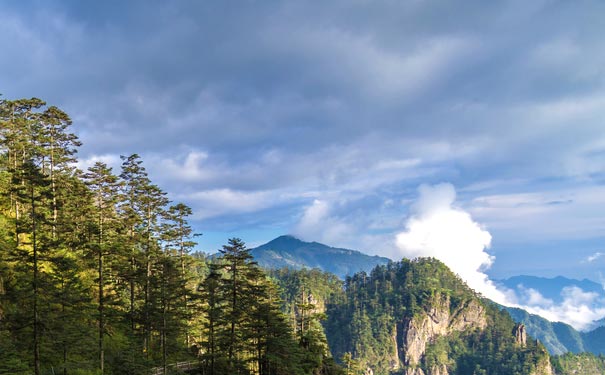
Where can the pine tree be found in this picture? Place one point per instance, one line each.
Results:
(237, 261)
(103, 185)
(177, 236)
(210, 293)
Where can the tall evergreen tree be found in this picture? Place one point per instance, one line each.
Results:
(103, 185)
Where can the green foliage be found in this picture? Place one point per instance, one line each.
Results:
(304, 294)
(371, 322)
(245, 330)
(583, 363)
(91, 281)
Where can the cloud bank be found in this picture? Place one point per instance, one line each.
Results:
(438, 228)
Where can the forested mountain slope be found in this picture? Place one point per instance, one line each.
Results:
(289, 251)
(417, 317)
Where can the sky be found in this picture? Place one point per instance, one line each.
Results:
(344, 122)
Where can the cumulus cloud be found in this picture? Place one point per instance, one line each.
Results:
(438, 228)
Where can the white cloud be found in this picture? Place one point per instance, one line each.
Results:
(580, 309)
(532, 297)
(319, 224)
(217, 202)
(595, 256)
(439, 229)
(192, 168)
(110, 160)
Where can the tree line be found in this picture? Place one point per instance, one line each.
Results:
(97, 273)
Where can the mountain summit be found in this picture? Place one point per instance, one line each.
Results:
(289, 251)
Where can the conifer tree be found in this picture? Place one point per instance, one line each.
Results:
(103, 185)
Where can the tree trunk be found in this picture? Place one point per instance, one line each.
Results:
(35, 287)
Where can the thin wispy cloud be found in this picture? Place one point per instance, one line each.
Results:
(595, 256)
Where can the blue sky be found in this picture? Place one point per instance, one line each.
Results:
(322, 119)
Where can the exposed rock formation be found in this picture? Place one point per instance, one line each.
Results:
(543, 367)
(414, 371)
(435, 370)
(436, 320)
(520, 335)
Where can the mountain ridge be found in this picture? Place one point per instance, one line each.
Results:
(292, 252)
(552, 287)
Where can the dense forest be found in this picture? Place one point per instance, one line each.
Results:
(98, 276)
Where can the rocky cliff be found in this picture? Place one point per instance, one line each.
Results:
(438, 318)
(418, 318)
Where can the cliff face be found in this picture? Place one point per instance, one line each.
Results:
(543, 367)
(434, 370)
(418, 318)
(438, 318)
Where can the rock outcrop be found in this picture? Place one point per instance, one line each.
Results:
(543, 367)
(520, 335)
(435, 370)
(438, 319)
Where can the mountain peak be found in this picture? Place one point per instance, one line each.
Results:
(286, 238)
(289, 251)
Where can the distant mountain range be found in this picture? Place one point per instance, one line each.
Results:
(289, 251)
(551, 287)
(557, 337)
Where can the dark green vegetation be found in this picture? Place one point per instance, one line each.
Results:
(96, 277)
(418, 315)
(288, 251)
(581, 364)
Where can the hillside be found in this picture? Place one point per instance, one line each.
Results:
(418, 318)
(290, 252)
(560, 338)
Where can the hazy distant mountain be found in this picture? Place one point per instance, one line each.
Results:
(551, 287)
(559, 337)
(289, 251)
